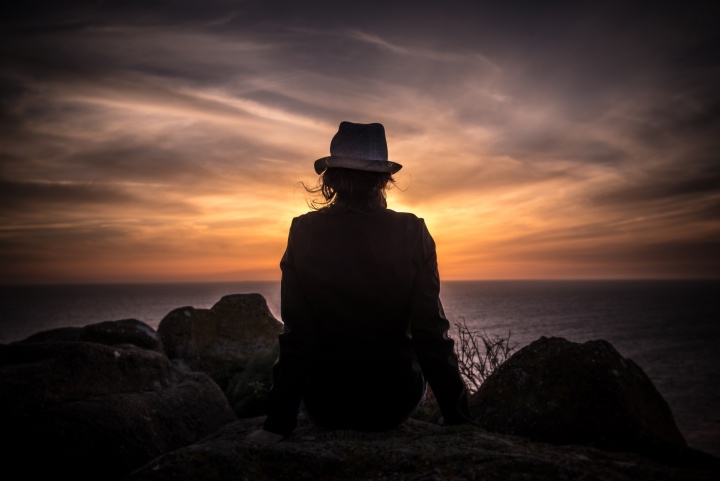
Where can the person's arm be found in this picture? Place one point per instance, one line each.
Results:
(297, 349)
(433, 347)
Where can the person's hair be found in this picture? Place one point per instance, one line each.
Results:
(350, 189)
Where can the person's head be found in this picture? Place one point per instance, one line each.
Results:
(357, 172)
(353, 189)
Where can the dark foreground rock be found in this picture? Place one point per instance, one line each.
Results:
(122, 333)
(414, 451)
(84, 410)
(221, 340)
(562, 392)
(101, 401)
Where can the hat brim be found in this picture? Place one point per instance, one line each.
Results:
(357, 164)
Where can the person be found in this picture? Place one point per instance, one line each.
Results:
(364, 325)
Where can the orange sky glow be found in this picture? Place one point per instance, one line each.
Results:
(176, 153)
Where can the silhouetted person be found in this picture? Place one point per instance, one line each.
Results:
(364, 326)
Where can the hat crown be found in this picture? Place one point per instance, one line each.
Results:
(360, 141)
(359, 147)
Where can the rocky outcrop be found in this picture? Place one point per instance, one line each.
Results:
(413, 451)
(561, 392)
(122, 333)
(221, 340)
(101, 401)
(86, 410)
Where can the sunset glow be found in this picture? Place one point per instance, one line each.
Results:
(169, 144)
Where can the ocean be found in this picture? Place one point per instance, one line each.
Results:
(670, 329)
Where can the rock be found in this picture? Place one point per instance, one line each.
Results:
(122, 333)
(221, 340)
(248, 391)
(414, 451)
(562, 392)
(83, 410)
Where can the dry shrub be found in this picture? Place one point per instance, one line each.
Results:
(479, 354)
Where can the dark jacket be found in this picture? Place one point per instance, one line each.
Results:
(361, 288)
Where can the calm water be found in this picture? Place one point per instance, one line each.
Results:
(670, 328)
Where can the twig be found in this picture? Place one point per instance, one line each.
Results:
(479, 354)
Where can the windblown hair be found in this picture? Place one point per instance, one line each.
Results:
(348, 189)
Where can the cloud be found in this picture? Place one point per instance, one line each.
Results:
(422, 53)
(14, 194)
(167, 139)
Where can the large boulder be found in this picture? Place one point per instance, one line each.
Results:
(562, 392)
(414, 451)
(221, 340)
(84, 410)
(122, 333)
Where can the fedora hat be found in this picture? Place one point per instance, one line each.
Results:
(359, 147)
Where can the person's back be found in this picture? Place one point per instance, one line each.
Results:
(357, 271)
(364, 327)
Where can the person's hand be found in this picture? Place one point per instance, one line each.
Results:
(262, 436)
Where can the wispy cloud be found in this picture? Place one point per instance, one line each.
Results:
(141, 142)
(450, 56)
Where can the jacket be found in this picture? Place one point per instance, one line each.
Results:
(361, 287)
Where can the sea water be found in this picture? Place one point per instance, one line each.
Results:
(670, 329)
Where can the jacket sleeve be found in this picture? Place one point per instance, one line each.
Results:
(297, 349)
(433, 347)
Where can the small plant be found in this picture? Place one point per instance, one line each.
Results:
(259, 389)
(479, 354)
(247, 391)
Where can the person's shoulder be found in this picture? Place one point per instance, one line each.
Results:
(406, 216)
(304, 216)
(408, 223)
(307, 216)
(307, 219)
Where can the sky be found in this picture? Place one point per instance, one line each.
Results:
(153, 141)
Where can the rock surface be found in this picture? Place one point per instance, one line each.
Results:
(561, 392)
(90, 411)
(221, 340)
(414, 451)
(101, 401)
(121, 333)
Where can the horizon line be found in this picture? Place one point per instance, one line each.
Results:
(528, 279)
